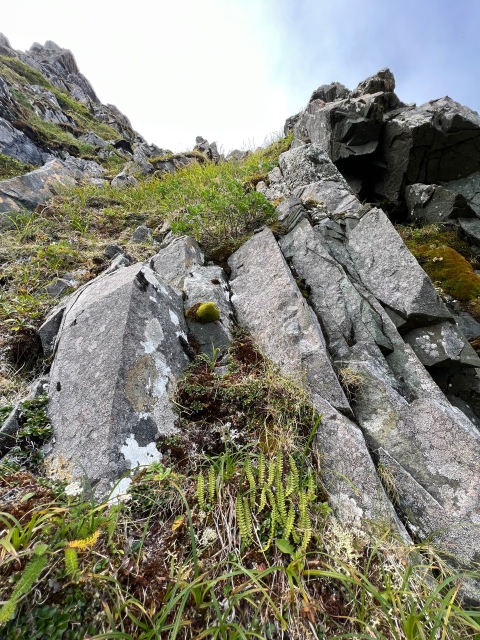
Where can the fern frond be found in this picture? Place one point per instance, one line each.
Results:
(32, 571)
(251, 480)
(290, 521)
(293, 475)
(211, 484)
(302, 509)
(271, 473)
(85, 543)
(71, 562)
(261, 469)
(201, 491)
(263, 499)
(248, 521)
(307, 534)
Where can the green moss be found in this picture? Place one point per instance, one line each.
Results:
(24, 71)
(450, 270)
(207, 312)
(445, 258)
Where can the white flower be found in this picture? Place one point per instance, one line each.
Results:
(73, 489)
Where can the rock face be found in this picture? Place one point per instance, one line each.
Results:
(34, 188)
(117, 358)
(294, 341)
(16, 144)
(433, 203)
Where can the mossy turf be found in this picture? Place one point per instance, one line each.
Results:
(11, 167)
(447, 260)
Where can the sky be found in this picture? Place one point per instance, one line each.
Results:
(233, 70)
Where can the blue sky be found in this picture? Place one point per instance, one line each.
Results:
(233, 70)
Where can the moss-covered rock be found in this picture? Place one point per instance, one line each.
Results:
(207, 312)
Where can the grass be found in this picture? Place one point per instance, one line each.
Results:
(11, 167)
(48, 134)
(230, 537)
(70, 233)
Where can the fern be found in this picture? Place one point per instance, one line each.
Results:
(281, 504)
(263, 499)
(201, 491)
(261, 469)
(85, 543)
(251, 480)
(279, 469)
(248, 521)
(311, 487)
(211, 484)
(32, 571)
(290, 521)
(302, 508)
(271, 473)
(293, 481)
(307, 534)
(240, 513)
(71, 563)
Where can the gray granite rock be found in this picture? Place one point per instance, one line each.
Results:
(470, 230)
(34, 188)
(16, 144)
(434, 203)
(432, 144)
(469, 187)
(441, 345)
(117, 359)
(174, 262)
(268, 302)
(389, 271)
(141, 234)
(347, 317)
(209, 284)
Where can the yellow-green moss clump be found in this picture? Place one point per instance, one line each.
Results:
(452, 271)
(446, 259)
(208, 312)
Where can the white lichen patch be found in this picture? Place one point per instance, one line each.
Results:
(164, 372)
(174, 318)
(139, 456)
(153, 336)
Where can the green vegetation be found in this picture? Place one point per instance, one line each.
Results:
(235, 542)
(50, 134)
(206, 312)
(71, 232)
(11, 167)
(447, 260)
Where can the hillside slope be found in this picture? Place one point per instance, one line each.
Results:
(253, 402)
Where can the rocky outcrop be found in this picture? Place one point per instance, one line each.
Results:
(16, 144)
(434, 203)
(34, 188)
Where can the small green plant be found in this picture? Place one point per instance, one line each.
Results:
(207, 312)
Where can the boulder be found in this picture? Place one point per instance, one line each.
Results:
(433, 203)
(34, 188)
(269, 303)
(469, 229)
(432, 144)
(124, 180)
(441, 345)
(330, 92)
(173, 263)
(345, 129)
(469, 187)
(16, 144)
(388, 270)
(141, 234)
(117, 359)
(209, 284)
(208, 149)
(290, 212)
(383, 81)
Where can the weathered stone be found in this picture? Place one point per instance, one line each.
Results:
(209, 284)
(112, 250)
(290, 211)
(330, 92)
(16, 144)
(349, 475)
(470, 230)
(344, 129)
(174, 262)
(433, 203)
(383, 81)
(346, 316)
(208, 149)
(141, 234)
(431, 144)
(336, 197)
(49, 330)
(432, 441)
(469, 187)
(268, 302)
(123, 180)
(442, 344)
(467, 324)
(117, 358)
(237, 155)
(389, 271)
(34, 188)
